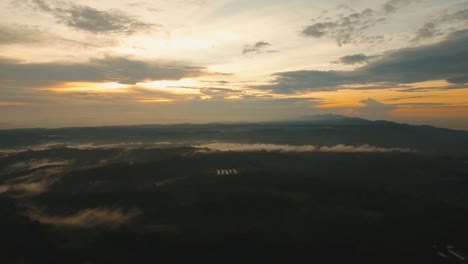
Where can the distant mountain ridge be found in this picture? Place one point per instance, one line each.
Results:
(321, 130)
(321, 119)
(332, 119)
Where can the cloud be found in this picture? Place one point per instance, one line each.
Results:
(392, 6)
(259, 47)
(108, 69)
(96, 21)
(374, 109)
(296, 148)
(362, 149)
(87, 18)
(214, 92)
(354, 59)
(352, 28)
(58, 163)
(87, 218)
(346, 29)
(33, 176)
(16, 34)
(460, 15)
(36, 164)
(298, 81)
(33, 183)
(19, 34)
(137, 4)
(257, 147)
(428, 30)
(446, 23)
(29, 188)
(446, 60)
(3, 103)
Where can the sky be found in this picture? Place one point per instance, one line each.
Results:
(91, 63)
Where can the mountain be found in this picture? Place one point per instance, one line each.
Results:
(322, 130)
(374, 191)
(332, 119)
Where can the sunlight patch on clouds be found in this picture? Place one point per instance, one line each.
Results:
(73, 87)
(206, 97)
(176, 43)
(363, 86)
(168, 84)
(183, 87)
(179, 87)
(432, 84)
(233, 97)
(114, 85)
(155, 100)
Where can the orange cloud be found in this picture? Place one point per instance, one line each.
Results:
(434, 99)
(108, 87)
(155, 100)
(434, 112)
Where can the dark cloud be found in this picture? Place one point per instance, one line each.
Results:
(392, 6)
(354, 59)
(14, 34)
(298, 81)
(318, 30)
(19, 34)
(446, 60)
(345, 29)
(352, 28)
(129, 71)
(259, 47)
(428, 30)
(108, 69)
(88, 18)
(446, 23)
(460, 15)
(96, 21)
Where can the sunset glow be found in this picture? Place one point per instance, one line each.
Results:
(369, 60)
